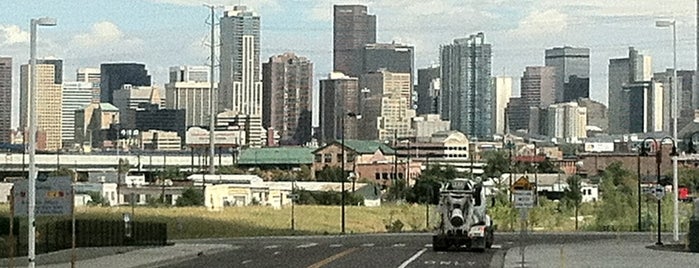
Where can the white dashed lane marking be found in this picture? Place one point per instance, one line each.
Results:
(336, 245)
(397, 245)
(497, 246)
(246, 261)
(307, 245)
(271, 246)
(428, 245)
(368, 245)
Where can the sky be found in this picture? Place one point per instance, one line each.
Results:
(164, 33)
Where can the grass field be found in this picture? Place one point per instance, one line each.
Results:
(191, 222)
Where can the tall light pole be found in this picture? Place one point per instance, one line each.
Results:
(32, 137)
(675, 92)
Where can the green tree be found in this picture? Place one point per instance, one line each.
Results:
(547, 167)
(234, 170)
(63, 172)
(305, 173)
(496, 163)
(573, 195)
(191, 197)
(170, 173)
(330, 174)
(96, 199)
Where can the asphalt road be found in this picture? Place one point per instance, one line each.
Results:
(381, 250)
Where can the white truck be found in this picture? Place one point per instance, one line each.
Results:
(464, 221)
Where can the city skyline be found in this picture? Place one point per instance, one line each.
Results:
(519, 32)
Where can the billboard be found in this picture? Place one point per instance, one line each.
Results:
(599, 147)
(53, 196)
(200, 136)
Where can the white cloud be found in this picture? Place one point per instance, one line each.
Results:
(102, 33)
(255, 4)
(12, 34)
(546, 22)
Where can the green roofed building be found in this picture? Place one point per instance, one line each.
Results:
(276, 157)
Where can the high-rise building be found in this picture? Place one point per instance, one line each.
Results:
(567, 122)
(189, 91)
(538, 88)
(572, 72)
(392, 57)
(244, 127)
(338, 97)
(502, 85)
(130, 98)
(76, 95)
(287, 82)
(5, 99)
(517, 115)
(240, 85)
(467, 92)
(428, 90)
(90, 75)
(93, 123)
(113, 76)
(353, 28)
(385, 106)
(626, 75)
(684, 99)
(596, 114)
(48, 102)
(188, 73)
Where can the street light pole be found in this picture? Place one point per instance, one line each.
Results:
(676, 92)
(31, 254)
(638, 170)
(342, 178)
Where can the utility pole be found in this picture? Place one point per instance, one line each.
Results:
(212, 110)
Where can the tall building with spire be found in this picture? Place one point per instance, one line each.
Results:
(353, 28)
(240, 84)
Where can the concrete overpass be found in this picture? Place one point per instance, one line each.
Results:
(148, 162)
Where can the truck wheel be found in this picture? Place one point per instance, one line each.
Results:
(489, 239)
(439, 243)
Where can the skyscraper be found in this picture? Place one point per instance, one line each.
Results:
(48, 102)
(113, 76)
(90, 75)
(684, 99)
(626, 75)
(338, 96)
(189, 91)
(392, 57)
(385, 106)
(188, 73)
(567, 122)
(287, 82)
(428, 90)
(467, 93)
(537, 86)
(240, 86)
(502, 86)
(572, 72)
(75, 95)
(353, 28)
(5, 99)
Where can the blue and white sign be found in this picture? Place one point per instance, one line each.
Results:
(53, 196)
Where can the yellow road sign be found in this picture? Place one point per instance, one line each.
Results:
(522, 184)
